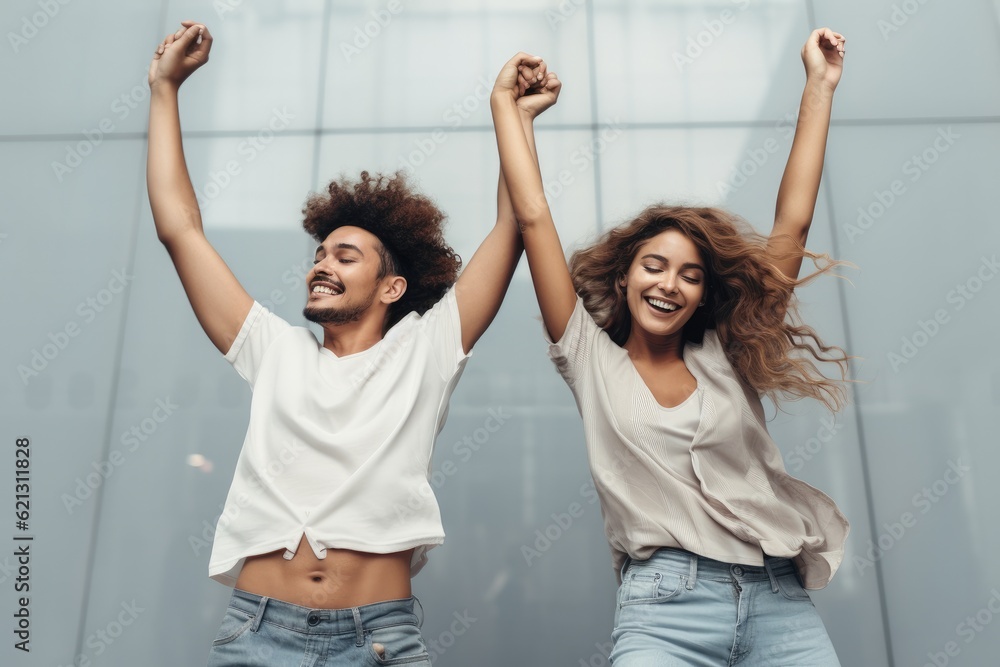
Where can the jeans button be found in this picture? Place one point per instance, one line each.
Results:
(737, 571)
(313, 619)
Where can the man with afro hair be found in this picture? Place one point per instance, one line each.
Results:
(318, 553)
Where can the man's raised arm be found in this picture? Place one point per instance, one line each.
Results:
(220, 303)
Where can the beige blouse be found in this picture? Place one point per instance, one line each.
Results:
(723, 494)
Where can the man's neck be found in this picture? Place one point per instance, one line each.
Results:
(353, 337)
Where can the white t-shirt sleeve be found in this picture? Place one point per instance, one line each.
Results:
(572, 352)
(260, 328)
(443, 327)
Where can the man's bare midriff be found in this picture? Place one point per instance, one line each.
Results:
(343, 579)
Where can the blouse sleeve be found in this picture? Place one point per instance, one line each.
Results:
(571, 353)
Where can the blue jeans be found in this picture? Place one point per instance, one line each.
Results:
(681, 609)
(263, 632)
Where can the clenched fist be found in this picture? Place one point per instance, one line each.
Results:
(180, 54)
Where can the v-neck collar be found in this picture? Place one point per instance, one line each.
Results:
(332, 355)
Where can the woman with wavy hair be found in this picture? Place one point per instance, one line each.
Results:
(668, 331)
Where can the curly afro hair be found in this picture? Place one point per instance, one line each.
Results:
(409, 226)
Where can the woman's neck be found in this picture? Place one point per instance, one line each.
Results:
(642, 346)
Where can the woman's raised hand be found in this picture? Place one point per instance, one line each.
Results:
(518, 74)
(823, 56)
(180, 54)
(540, 95)
(526, 78)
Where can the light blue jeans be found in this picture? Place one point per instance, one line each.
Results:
(680, 609)
(263, 632)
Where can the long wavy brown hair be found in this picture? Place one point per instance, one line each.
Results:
(750, 302)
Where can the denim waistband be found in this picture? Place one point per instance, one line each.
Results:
(696, 567)
(353, 620)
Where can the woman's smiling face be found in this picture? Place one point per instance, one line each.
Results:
(665, 283)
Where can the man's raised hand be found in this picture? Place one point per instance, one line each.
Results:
(180, 54)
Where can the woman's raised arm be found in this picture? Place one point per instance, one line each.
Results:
(822, 56)
(546, 260)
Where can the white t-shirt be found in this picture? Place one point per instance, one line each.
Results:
(719, 490)
(339, 448)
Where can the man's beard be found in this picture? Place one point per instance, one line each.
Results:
(337, 316)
